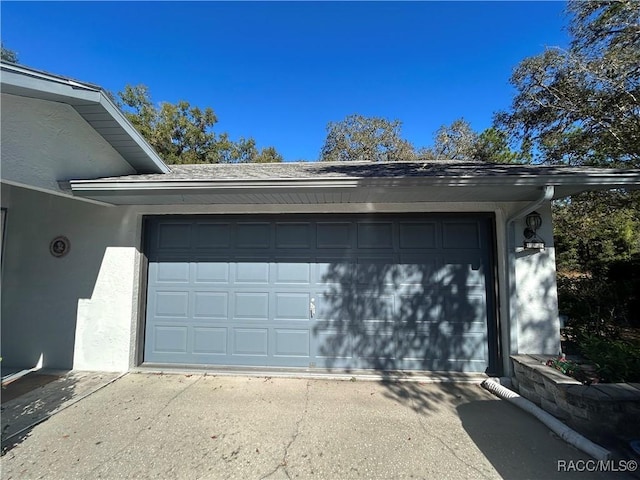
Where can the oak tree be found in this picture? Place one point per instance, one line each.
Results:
(8, 55)
(182, 134)
(360, 138)
(582, 105)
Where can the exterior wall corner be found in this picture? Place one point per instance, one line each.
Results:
(536, 298)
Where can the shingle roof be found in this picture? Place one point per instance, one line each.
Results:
(311, 170)
(349, 182)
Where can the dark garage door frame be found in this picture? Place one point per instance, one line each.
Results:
(333, 342)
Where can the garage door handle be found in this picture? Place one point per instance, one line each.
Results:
(312, 308)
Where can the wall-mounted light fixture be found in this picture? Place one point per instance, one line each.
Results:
(532, 241)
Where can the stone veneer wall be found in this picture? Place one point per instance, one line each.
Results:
(600, 411)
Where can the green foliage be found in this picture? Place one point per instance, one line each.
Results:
(453, 142)
(597, 239)
(8, 55)
(268, 155)
(492, 145)
(595, 229)
(615, 360)
(376, 139)
(591, 304)
(182, 134)
(459, 141)
(568, 367)
(581, 106)
(371, 139)
(598, 257)
(572, 369)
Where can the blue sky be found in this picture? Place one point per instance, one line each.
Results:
(280, 71)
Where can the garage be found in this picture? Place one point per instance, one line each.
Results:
(384, 292)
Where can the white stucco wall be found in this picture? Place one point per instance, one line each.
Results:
(43, 142)
(103, 327)
(535, 323)
(75, 311)
(82, 311)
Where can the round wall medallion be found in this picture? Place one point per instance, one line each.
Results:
(59, 246)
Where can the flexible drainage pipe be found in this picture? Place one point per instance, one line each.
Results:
(567, 434)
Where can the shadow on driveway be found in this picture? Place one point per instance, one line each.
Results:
(207, 426)
(519, 446)
(32, 399)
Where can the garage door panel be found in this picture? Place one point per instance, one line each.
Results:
(320, 291)
(174, 236)
(253, 235)
(437, 340)
(251, 306)
(171, 272)
(456, 235)
(252, 272)
(376, 235)
(418, 235)
(334, 306)
(445, 330)
(478, 327)
(374, 307)
(459, 345)
(460, 277)
(377, 271)
(211, 305)
(291, 342)
(334, 235)
(250, 341)
(293, 235)
(419, 307)
(473, 346)
(443, 327)
(418, 270)
(287, 272)
(171, 305)
(335, 271)
(470, 308)
(332, 344)
(475, 274)
(292, 306)
(212, 235)
(210, 340)
(411, 348)
(169, 339)
(212, 272)
(370, 345)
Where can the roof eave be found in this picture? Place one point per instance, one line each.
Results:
(605, 180)
(22, 81)
(155, 163)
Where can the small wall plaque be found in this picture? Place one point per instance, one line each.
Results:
(59, 246)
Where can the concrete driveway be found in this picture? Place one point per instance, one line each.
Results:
(204, 426)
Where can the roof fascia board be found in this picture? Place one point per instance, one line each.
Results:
(123, 121)
(27, 84)
(31, 72)
(17, 80)
(616, 180)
